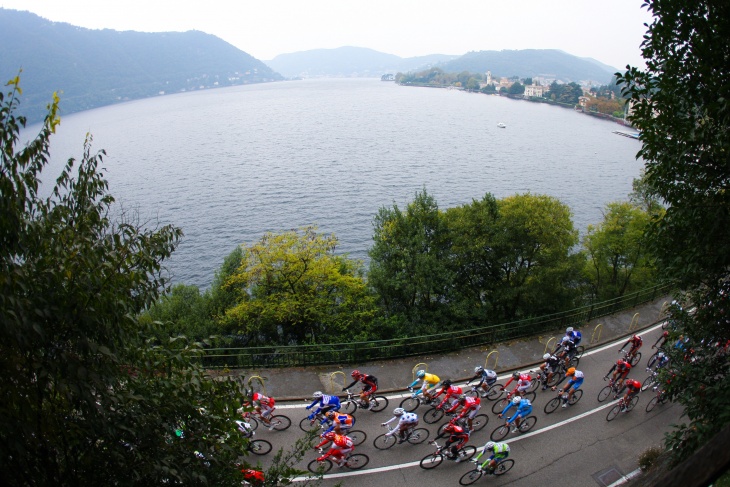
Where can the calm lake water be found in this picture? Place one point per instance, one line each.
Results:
(229, 164)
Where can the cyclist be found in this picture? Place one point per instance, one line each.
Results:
(569, 349)
(406, 421)
(263, 405)
(326, 403)
(661, 361)
(496, 451)
(549, 367)
(576, 379)
(369, 386)
(632, 388)
(487, 377)
(661, 340)
(574, 335)
(469, 408)
(450, 391)
(458, 437)
(253, 477)
(524, 407)
(341, 423)
(342, 446)
(620, 370)
(636, 343)
(430, 381)
(523, 382)
(245, 428)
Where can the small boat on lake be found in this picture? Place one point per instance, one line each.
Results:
(501, 125)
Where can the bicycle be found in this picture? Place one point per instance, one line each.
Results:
(477, 423)
(308, 424)
(499, 406)
(502, 467)
(436, 458)
(501, 432)
(633, 360)
(413, 435)
(374, 404)
(650, 381)
(277, 422)
(617, 408)
(354, 461)
(615, 386)
(554, 403)
(659, 398)
(417, 399)
(554, 379)
(491, 393)
(257, 447)
(655, 356)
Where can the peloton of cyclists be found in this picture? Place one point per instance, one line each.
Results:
(496, 451)
(325, 403)
(369, 386)
(406, 421)
(576, 379)
(469, 408)
(523, 406)
(487, 377)
(430, 381)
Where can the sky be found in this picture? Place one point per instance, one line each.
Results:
(608, 31)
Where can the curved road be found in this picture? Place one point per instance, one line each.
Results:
(572, 447)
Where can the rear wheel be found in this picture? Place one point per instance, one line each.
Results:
(432, 461)
(410, 404)
(252, 422)
(632, 403)
(383, 442)
(433, 415)
(527, 424)
(259, 447)
(534, 383)
(419, 435)
(320, 467)
(579, 351)
(504, 467)
(348, 406)
(495, 392)
(470, 477)
(552, 405)
(280, 422)
(378, 403)
(636, 359)
(556, 377)
(357, 461)
(479, 422)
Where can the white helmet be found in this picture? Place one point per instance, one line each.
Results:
(478, 369)
(421, 374)
(317, 394)
(660, 355)
(569, 329)
(546, 356)
(565, 339)
(490, 445)
(516, 400)
(398, 411)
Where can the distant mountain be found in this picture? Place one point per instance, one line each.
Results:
(349, 62)
(531, 63)
(358, 61)
(93, 68)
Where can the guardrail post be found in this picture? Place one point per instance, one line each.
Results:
(663, 311)
(547, 344)
(334, 386)
(260, 380)
(596, 335)
(496, 358)
(417, 367)
(634, 322)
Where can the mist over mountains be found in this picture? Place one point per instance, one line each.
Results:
(93, 68)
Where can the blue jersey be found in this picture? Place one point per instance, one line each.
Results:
(326, 401)
(576, 336)
(523, 408)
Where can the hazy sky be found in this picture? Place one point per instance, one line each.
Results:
(609, 31)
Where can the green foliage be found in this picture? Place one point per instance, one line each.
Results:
(291, 288)
(681, 105)
(87, 400)
(565, 93)
(649, 457)
(516, 88)
(182, 311)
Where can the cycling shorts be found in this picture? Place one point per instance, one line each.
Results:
(499, 456)
(576, 383)
(524, 388)
(474, 411)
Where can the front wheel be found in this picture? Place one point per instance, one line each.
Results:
(479, 422)
(432, 461)
(252, 422)
(495, 392)
(504, 467)
(348, 406)
(636, 359)
(410, 403)
(556, 377)
(378, 403)
(632, 403)
(470, 477)
(259, 447)
(648, 382)
(500, 433)
(280, 422)
(316, 466)
(466, 453)
(433, 415)
(605, 392)
(383, 442)
(652, 403)
(499, 406)
(308, 425)
(534, 384)
(358, 437)
(613, 413)
(552, 405)
(579, 351)
(357, 461)
(575, 397)
(418, 435)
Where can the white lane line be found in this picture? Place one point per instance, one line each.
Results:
(626, 478)
(413, 464)
(501, 377)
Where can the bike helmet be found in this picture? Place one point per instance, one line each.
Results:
(489, 446)
(569, 329)
(447, 383)
(421, 374)
(516, 375)
(636, 337)
(546, 356)
(355, 374)
(478, 369)
(330, 414)
(565, 339)
(462, 397)
(516, 400)
(398, 411)
(571, 371)
(665, 334)
(317, 394)
(451, 427)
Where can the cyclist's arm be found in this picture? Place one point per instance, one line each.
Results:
(390, 420)
(624, 346)
(352, 384)
(313, 403)
(508, 382)
(504, 411)
(414, 383)
(452, 408)
(611, 370)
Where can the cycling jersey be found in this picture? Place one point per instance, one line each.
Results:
(341, 441)
(428, 379)
(522, 381)
(523, 409)
(326, 403)
(576, 336)
(263, 400)
(368, 382)
(486, 375)
(345, 422)
(470, 403)
(633, 385)
(451, 391)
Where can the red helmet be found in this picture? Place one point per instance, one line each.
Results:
(355, 374)
(665, 334)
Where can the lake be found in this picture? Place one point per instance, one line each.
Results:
(229, 164)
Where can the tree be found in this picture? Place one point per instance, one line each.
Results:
(618, 260)
(292, 288)
(680, 105)
(516, 88)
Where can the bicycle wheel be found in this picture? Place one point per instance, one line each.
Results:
(552, 405)
(252, 421)
(259, 447)
(504, 466)
(499, 406)
(432, 461)
(495, 392)
(652, 359)
(531, 396)
(348, 406)
(479, 422)
(316, 466)
(378, 403)
(575, 397)
(280, 422)
(440, 431)
(557, 377)
(357, 437)
(357, 461)
(470, 477)
(579, 351)
(632, 403)
(467, 452)
(419, 435)
(653, 402)
(527, 424)
(410, 403)
(613, 412)
(534, 384)
(605, 392)
(574, 361)
(500, 433)
(433, 415)
(383, 442)
(648, 382)
(636, 359)
(308, 425)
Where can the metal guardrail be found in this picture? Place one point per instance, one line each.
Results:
(344, 353)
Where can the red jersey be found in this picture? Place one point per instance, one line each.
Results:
(264, 400)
